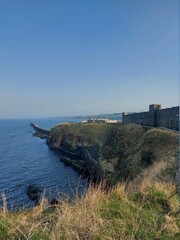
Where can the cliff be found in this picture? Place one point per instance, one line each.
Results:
(118, 151)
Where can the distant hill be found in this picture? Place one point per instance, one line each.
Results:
(111, 116)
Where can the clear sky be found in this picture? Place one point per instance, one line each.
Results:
(74, 57)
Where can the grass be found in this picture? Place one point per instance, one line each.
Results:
(120, 213)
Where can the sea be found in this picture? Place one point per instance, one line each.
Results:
(27, 160)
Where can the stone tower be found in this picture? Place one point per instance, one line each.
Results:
(153, 108)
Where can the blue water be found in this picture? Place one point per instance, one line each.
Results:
(25, 159)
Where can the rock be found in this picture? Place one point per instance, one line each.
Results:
(54, 202)
(33, 192)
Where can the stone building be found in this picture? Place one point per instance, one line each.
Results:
(155, 117)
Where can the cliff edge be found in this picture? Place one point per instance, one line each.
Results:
(117, 151)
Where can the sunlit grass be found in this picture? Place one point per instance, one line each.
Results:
(150, 213)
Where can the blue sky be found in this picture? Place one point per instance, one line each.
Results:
(67, 57)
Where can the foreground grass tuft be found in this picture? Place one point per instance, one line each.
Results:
(149, 213)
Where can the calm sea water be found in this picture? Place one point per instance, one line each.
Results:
(25, 159)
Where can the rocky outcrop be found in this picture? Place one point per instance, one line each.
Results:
(40, 132)
(117, 151)
(33, 192)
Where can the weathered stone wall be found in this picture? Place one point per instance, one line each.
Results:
(168, 118)
(145, 118)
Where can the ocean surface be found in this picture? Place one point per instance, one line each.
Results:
(25, 160)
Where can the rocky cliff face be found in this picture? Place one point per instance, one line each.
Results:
(115, 150)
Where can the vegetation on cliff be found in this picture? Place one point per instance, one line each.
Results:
(118, 151)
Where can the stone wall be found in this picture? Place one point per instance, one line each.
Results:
(168, 118)
(145, 118)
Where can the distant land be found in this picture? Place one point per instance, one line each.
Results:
(111, 116)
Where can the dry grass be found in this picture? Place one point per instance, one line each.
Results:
(149, 213)
(80, 220)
